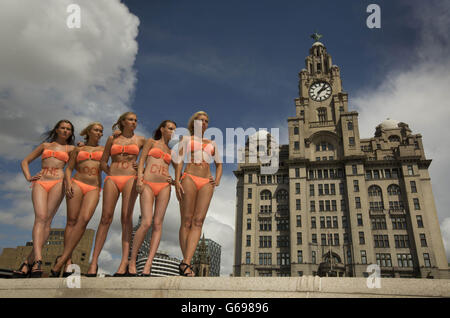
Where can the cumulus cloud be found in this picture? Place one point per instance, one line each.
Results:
(419, 96)
(51, 71)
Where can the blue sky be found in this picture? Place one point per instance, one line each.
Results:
(237, 60)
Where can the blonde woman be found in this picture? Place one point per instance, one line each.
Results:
(121, 178)
(82, 191)
(195, 188)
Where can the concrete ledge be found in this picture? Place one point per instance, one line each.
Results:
(221, 287)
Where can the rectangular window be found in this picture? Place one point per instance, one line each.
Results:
(311, 174)
(323, 239)
(297, 172)
(313, 257)
(358, 202)
(320, 189)
(299, 221)
(336, 239)
(344, 221)
(325, 171)
(410, 170)
(300, 257)
(249, 208)
(269, 179)
(387, 173)
(319, 174)
(321, 206)
(341, 188)
(247, 258)
(250, 178)
(297, 204)
(362, 241)
(249, 193)
(364, 257)
(376, 174)
(333, 205)
(299, 238)
(332, 188)
(335, 222)
(423, 240)
(426, 258)
(327, 188)
(351, 141)
(311, 190)
(354, 169)
(249, 238)
(297, 188)
(313, 222)
(263, 179)
(355, 186)
(416, 204)
(413, 186)
(368, 174)
(322, 222)
(360, 220)
(327, 205)
(312, 206)
(328, 222)
(296, 145)
(249, 224)
(419, 221)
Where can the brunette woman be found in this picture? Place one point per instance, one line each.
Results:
(47, 190)
(82, 191)
(121, 178)
(153, 184)
(196, 187)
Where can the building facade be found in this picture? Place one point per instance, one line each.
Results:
(11, 258)
(338, 203)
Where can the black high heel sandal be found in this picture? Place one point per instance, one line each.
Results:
(20, 273)
(52, 272)
(183, 271)
(36, 273)
(122, 274)
(93, 275)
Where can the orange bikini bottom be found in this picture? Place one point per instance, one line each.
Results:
(120, 181)
(48, 184)
(85, 188)
(156, 186)
(199, 181)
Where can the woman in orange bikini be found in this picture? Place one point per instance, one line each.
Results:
(195, 190)
(48, 190)
(82, 192)
(121, 178)
(154, 186)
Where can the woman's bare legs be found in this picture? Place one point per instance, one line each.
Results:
(110, 197)
(192, 218)
(160, 210)
(146, 201)
(129, 196)
(87, 208)
(73, 210)
(45, 207)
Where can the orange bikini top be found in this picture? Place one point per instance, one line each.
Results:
(84, 155)
(61, 155)
(195, 145)
(132, 149)
(159, 153)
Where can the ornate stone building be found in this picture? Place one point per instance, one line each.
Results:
(338, 203)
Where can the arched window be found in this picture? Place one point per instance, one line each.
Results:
(282, 195)
(394, 189)
(375, 198)
(266, 195)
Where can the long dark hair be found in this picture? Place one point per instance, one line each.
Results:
(51, 136)
(157, 133)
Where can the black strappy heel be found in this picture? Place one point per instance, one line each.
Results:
(20, 273)
(37, 273)
(122, 274)
(54, 273)
(183, 271)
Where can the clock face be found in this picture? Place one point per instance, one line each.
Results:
(320, 91)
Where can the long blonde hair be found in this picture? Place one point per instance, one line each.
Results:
(119, 121)
(194, 117)
(85, 132)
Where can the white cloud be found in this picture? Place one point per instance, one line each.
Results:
(445, 231)
(50, 71)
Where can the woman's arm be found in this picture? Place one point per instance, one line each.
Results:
(105, 157)
(28, 159)
(178, 163)
(68, 172)
(140, 170)
(218, 163)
